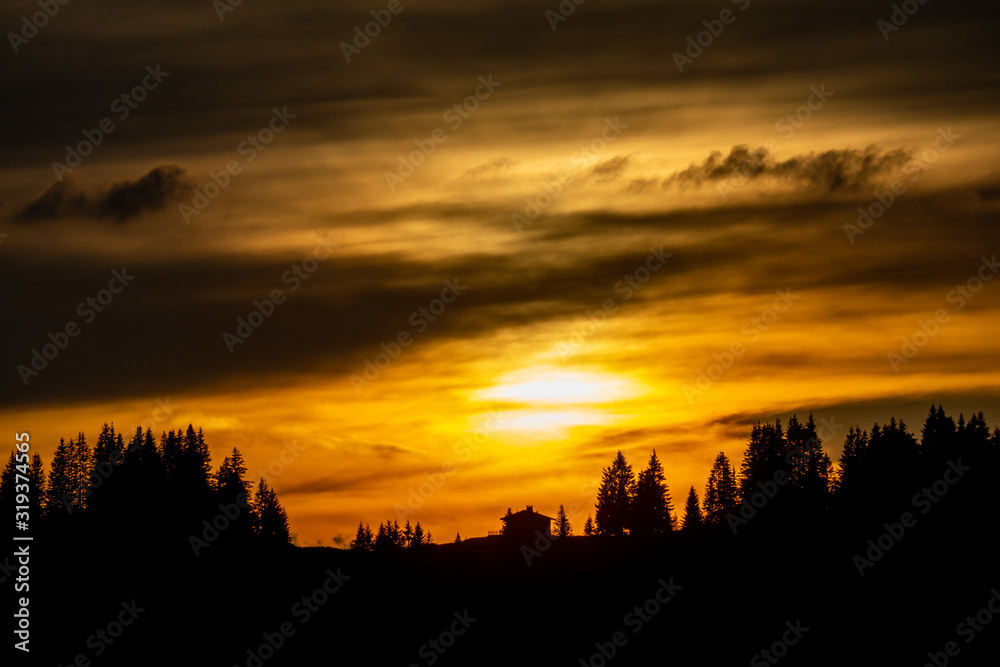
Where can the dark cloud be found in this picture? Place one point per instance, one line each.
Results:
(493, 165)
(832, 171)
(608, 170)
(121, 202)
(989, 192)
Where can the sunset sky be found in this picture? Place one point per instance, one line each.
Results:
(563, 238)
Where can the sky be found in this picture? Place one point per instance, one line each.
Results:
(454, 264)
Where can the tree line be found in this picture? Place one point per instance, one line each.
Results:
(389, 536)
(119, 479)
(787, 469)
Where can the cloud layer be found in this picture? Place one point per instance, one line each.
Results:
(120, 202)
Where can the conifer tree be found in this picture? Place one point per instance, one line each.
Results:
(614, 497)
(503, 525)
(692, 512)
(588, 526)
(382, 541)
(419, 538)
(852, 458)
(59, 492)
(652, 508)
(81, 469)
(363, 540)
(407, 534)
(563, 527)
(721, 496)
(271, 520)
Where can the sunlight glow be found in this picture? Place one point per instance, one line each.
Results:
(547, 385)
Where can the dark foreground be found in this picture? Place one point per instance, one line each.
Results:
(709, 599)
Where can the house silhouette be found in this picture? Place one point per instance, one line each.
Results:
(524, 524)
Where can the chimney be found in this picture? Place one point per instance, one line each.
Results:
(530, 508)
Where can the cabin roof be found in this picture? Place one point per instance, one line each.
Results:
(528, 511)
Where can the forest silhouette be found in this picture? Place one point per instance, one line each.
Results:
(887, 556)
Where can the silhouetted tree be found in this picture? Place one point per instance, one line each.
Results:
(232, 489)
(938, 432)
(588, 526)
(503, 525)
(229, 480)
(458, 537)
(171, 456)
(407, 534)
(81, 470)
(614, 497)
(563, 527)
(692, 512)
(721, 496)
(106, 490)
(419, 539)
(811, 469)
(271, 520)
(763, 457)
(382, 541)
(850, 468)
(652, 509)
(976, 435)
(363, 540)
(59, 494)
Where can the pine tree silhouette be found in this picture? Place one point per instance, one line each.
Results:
(563, 527)
(614, 497)
(692, 521)
(59, 494)
(270, 518)
(721, 495)
(652, 509)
